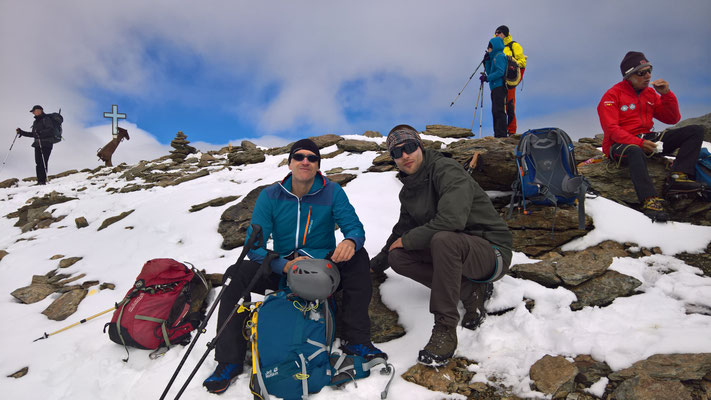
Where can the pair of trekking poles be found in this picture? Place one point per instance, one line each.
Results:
(44, 164)
(476, 102)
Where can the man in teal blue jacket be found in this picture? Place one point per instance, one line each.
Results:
(300, 213)
(495, 64)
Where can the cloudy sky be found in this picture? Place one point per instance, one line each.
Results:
(274, 71)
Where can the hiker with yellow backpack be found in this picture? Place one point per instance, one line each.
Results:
(511, 49)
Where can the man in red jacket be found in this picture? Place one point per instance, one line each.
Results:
(626, 112)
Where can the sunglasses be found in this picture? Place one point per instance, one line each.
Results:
(644, 72)
(300, 157)
(409, 147)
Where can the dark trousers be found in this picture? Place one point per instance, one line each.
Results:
(444, 268)
(42, 161)
(355, 284)
(511, 107)
(687, 139)
(498, 111)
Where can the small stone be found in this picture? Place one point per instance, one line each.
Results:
(19, 374)
(68, 262)
(81, 222)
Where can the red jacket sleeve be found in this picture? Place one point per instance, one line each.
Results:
(667, 110)
(609, 113)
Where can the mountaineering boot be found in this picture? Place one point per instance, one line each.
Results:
(221, 379)
(474, 304)
(440, 348)
(679, 183)
(366, 350)
(653, 207)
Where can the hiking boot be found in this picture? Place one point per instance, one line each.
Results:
(653, 208)
(440, 348)
(474, 305)
(223, 376)
(366, 350)
(679, 182)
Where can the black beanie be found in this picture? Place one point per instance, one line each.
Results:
(503, 29)
(305, 144)
(633, 62)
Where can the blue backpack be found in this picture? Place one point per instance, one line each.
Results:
(703, 167)
(292, 349)
(545, 160)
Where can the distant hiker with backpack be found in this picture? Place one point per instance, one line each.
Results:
(300, 214)
(449, 238)
(44, 131)
(626, 111)
(511, 49)
(495, 64)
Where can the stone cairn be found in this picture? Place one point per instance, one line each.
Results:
(182, 148)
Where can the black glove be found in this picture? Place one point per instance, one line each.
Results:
(482, 77)
(379, 263)
(487, 57)
(18, 130)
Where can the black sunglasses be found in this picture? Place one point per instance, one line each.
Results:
(644, 72)
(409, 147)
(300, 157)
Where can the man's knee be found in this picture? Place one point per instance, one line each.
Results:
(443, 240)
(396, 260)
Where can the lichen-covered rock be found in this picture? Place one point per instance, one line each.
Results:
(235, 220)
(357, 146)
(68, 262)
(445, 131)
(112, 220)
(554, 375)
(603, 290)
(65, 305)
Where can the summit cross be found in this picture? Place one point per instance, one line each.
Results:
(115, 116)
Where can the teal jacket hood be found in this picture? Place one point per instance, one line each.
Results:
(495, 66)
(497, 45)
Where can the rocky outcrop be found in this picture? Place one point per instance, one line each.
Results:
(372, 134)
(8, 183)
(65, 305)
(341, 179)
(321, 142)
(496, 167)
(704, 121)
(235, 220)
(357, 146)
(35, 215)
(544, 228)
(181, 148)
(603, 290)
(445, 131)
(246, 153)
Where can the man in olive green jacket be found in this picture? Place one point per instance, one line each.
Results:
(449, 238)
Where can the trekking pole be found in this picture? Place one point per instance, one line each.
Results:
(255, 240)
(263, 270)
(476, 105)
(8, 152)
(481, 110)
(46, 335)
(468, 80)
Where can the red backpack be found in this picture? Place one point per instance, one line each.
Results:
(163, 307)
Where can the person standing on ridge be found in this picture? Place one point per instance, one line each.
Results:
(43, 133)
(495, 64)
(626, 111)
(300, 213)
(513, 49)
(449, 237)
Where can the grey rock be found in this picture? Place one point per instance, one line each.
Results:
(331, 154)
(20, 373)
(454, 377)
(668, 366)
(220, 201)
(590, 370)
(33, 293)
(249, 146)
(341, 179)
(185, 178)
(496, 168)
(235, 220)
(112, 220)
(545, 228)
(384, 325)
(704, 121)
(647, 388)
(65, 305)
(542, 272)
(3, 253)
(63, 174)
(372, 134)
(603, 290)
(554, 375)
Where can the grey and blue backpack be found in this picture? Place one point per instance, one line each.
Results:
(547, 173)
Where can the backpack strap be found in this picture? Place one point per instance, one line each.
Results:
(159, 321)
(304, 378)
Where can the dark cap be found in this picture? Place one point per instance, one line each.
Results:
(305, 144)
(503, 29)
(37, 107)
(401, 134)
(633, 62)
